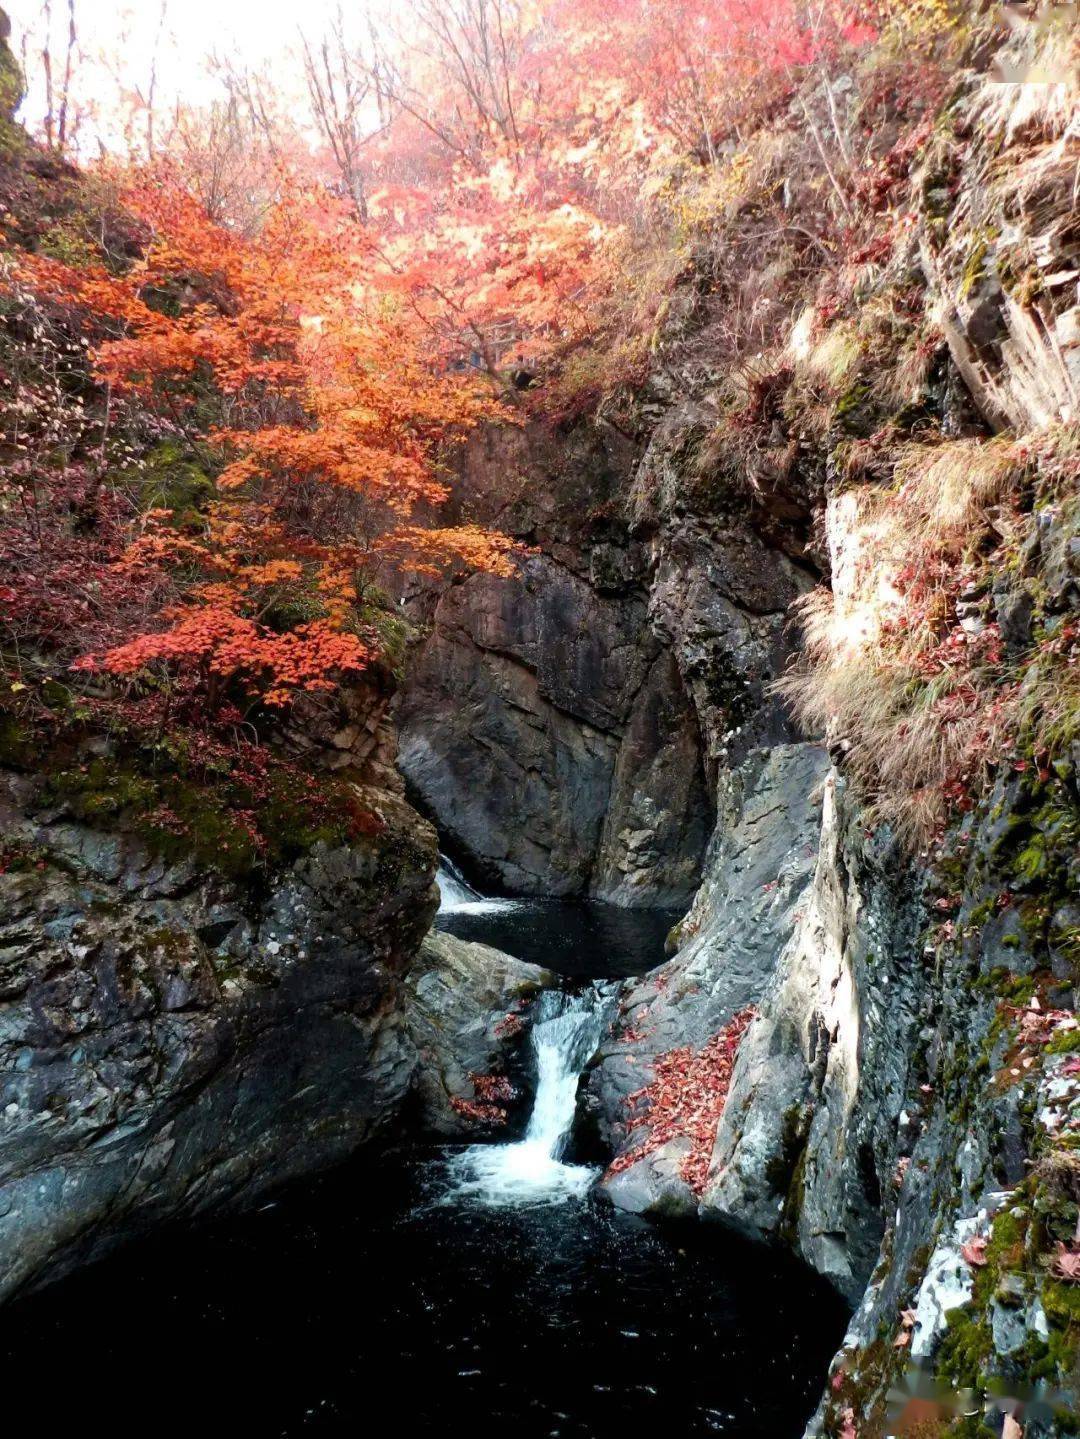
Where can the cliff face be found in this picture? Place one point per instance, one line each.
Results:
(172, 1045)
(564, 728)
(176, 1042)
(904, 1086)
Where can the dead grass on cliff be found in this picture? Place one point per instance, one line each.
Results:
(902, 665)
(1038, 94)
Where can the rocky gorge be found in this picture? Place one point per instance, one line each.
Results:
(608, 725)
(175, 1045)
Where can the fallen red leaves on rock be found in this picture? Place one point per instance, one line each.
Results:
(509, 1027)
(686, 1099)
(974, 1251)
(493, 1092)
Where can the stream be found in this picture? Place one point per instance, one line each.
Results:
(428, 1290)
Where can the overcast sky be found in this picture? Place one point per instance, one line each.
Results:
(123, 37)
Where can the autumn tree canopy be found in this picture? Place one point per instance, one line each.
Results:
(311, 306)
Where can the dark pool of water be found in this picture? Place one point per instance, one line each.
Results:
(353, 1307)
(361, 1304)
(594, 941)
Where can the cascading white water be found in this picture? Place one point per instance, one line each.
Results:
(565, 1033)
(453, 891)
(456, 896)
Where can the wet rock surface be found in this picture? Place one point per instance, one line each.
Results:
(468, 1015)
(564, 728)
(170, 1046)
(760, 863)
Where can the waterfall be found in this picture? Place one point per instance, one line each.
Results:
(456, 896)
(565, 1034)
(453, 891)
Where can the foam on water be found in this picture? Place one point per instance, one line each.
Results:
(530, 1171)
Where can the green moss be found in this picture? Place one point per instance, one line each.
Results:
(17, 746)
(100, 789)
(965, 1349)
(852, 401)
(1062, 1304)
(12, 135)
(379, 614)
(184, 801)
(781, 1168)
(168, 478)
(1020, 1241)
(1005, 1250)
(981, 914)
(1036, 1359)
(1033, 861)
(56, 696)
(796, 1194)
(974, 267)
(917, 1268)
(971, 1426)
(1012, 989)
(967, 1352)
(864, 1383)
(66, 240)
(679, 933)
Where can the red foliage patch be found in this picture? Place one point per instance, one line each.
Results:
(493, 1092)
(1067, 1263)
(1038, 1026)
(509, 1027)
(974, 1251)
(686, 1099)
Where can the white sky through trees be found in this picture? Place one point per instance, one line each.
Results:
(117, 46)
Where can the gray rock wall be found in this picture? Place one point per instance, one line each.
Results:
(565, 728)
(170, 1046)
(902, 1092)
(468, 1016)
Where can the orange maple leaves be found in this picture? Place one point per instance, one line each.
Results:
(219, 642)
(289, 365)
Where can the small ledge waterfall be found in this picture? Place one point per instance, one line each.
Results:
(453, 891)
(566, 1032)
(457, 896)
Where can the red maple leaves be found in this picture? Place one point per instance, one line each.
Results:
(493, 1093)
(1067, 1263)
(686, 1099)
(509, 1027)
(974, 1251)
(279, 363)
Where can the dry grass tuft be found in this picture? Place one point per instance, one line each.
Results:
(904, 667)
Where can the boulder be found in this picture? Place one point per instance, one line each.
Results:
(468, 1017)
